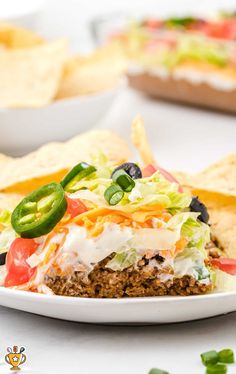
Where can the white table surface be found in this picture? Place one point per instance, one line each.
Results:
(195, 138)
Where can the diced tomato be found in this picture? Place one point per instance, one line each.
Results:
(75, 207)
(221, 30)
(149, 170)
(228, 265)
(156, 43)
(18, 270)
(152, 23)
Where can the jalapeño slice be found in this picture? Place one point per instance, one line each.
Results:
(78, 172)
(39, 212)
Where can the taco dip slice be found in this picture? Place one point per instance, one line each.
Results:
(108, 232)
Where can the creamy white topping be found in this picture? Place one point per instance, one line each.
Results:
(192, 265)
(79, 248)
(214, 80)
(90, 251)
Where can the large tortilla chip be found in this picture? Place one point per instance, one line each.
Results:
(52, 161)
(140, 141)
(16, 37)
(30, 77)
(222, 211)
(219, 177)
(97, 72)
(221, 208)
(8, 201)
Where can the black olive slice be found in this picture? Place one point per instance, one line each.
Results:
(197, 206)
(130, 168)
(3, 258)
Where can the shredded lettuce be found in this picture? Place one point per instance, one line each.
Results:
(191, 262)
(5, 217)
(7, 236)
(188, 47)
(123, 260)
(197, 233)
(101, 162)
(179, 201)
(197, 49)
(157, 190)
(152, 190)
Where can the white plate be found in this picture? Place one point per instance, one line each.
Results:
(147, 310)
(55, 122)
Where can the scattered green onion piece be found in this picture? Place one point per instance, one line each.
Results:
(216, 369)
(209, 358)
(157, 371)
(113, 194)
(124, 180)
(226, 356)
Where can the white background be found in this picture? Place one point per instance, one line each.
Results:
(186, 139)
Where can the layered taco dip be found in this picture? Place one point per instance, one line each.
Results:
(186, 59)
(111, 229)
(108, 233)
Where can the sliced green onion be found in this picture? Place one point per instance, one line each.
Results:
(124, 180)
(157, 371)
(113, 194)
(216, 369)
(226, 356)
(209, 358)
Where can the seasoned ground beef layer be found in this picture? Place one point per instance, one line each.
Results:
(138, 281)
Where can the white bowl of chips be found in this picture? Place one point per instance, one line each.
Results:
(47, 95)
(23, 130)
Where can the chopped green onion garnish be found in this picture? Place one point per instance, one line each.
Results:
(124, 180)
(157, 371)
(226, 356)
(113, 194)
(216, 369)
(209, 358)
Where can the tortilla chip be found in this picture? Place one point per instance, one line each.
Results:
(52, 161)
(222, 211)
(8, 201)
(30, 77)
(97, 72)
(225, 282)
(219, 177)
(140, 141)
(216, 187)
(16, 37)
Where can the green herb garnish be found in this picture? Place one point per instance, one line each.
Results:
(226, 356)
(209, 358)
(157, 371)
(113, 194)
(216, 369)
